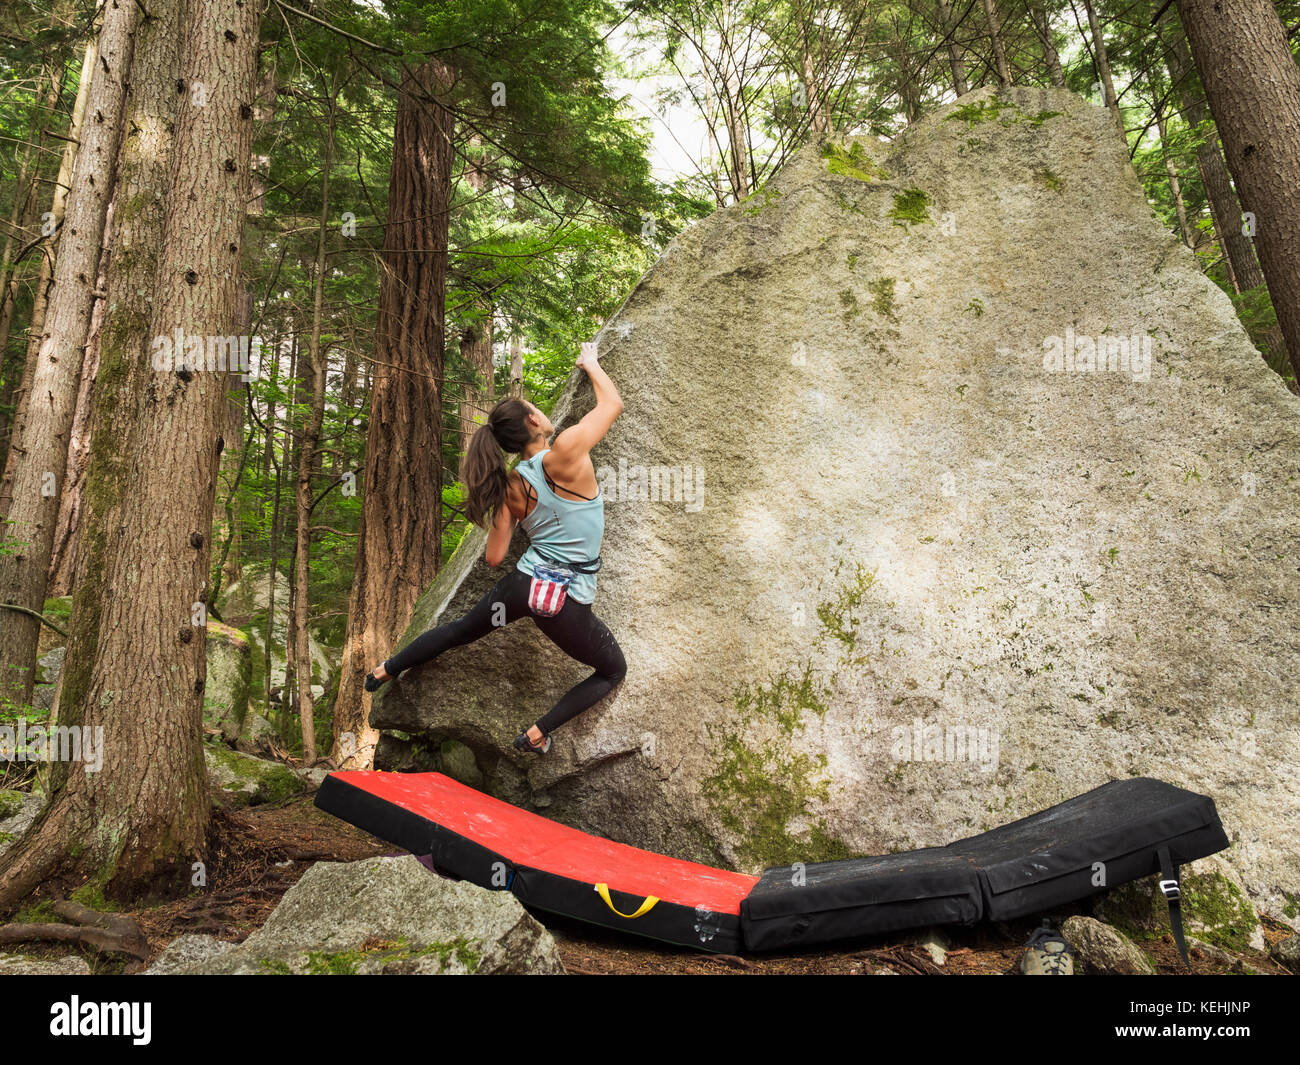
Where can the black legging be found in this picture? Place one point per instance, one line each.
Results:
(575, 630)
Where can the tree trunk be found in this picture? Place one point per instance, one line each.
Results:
(15, 391)
(956, 61)
(136, 662)
(476, 350)
(64, 550)
(1175, 186)
(814, 90)
(306, 461)
(1102, 58)
(1225, 208)
(348, 395)
(40, 440)
(285, 459)
(399, 544)
(516, 365)
(18, 223)
(908, 89)
(995, 35)
(1220, 196)
(733, 103)
(1043, 27)
(1252, 85)
(273, 378)
(45, 278)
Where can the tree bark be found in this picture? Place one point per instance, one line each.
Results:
(476, 350)
(1102, 58)
(18, 223)
(1043, 27)
(17, 392)
(63, 551)
(306, 462)
(136, 663)
(45, 277)
(40, 440)
(516, 365)
(399, 545)
(737, 146)
(908, 89)
(995, 36)
(1225, 208)
(1252, 85)
(956, 61)
(812, 53)
(1175, 185)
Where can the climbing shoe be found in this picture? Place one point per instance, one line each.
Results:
(523, 743)
(372, 682)
(1047, 954)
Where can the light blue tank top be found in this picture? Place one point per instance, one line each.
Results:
(564, 530)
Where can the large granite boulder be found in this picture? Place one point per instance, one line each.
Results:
(947, 488)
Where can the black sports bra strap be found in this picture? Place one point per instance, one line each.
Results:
(552, 486)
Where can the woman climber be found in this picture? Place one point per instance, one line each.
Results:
(553, 493)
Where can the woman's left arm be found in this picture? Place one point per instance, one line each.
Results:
(578, 440)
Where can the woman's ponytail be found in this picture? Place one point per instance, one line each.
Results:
(483, 468)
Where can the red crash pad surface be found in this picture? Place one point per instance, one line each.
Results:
(525, 838)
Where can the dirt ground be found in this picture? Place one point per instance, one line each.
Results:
(260, 852)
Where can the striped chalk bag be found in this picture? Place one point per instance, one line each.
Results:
(550, 586)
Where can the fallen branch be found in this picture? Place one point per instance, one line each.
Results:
(78, 914)
(88, 936)
(35, 614)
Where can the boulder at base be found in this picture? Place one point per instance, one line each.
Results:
(244, 605)
(947, 488)
(18, 809)
(247, 779)
(230, 671)
(378, 916)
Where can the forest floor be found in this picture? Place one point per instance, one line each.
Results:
(259, 852)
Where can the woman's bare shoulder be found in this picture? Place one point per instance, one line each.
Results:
(517, 499)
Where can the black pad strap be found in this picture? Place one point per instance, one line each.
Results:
(1173, 895)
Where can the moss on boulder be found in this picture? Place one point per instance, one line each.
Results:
(1215, 907)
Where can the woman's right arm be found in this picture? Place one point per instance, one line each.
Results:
(579, 439)
(499, 536)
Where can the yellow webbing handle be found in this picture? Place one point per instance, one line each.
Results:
(642, 910)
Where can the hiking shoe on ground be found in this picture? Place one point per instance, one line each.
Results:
(1047, 954)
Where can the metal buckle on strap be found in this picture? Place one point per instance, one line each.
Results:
(1170, 890)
